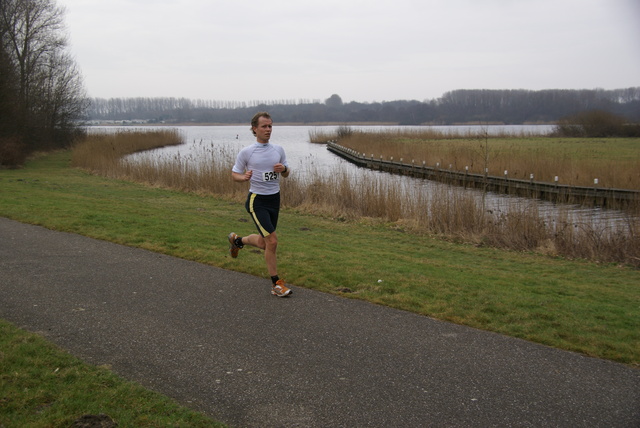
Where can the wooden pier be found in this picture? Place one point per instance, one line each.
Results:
(584, 195)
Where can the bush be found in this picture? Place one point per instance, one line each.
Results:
(631, 130)
(595, 124)
(344, 132)
(12, 152)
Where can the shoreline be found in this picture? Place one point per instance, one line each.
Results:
(426, 125)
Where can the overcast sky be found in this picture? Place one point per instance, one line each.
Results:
(365, 51)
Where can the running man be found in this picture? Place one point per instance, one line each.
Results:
(262, 164)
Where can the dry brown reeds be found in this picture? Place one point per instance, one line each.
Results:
(444, 211)
(574, 161)
(102, 153)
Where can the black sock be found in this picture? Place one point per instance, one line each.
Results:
(238, 242)
(274, 279)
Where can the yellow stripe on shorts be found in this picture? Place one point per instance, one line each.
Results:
(255, 218)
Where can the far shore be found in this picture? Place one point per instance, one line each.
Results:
(130, 123)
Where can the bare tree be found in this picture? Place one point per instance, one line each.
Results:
(49, 92)
(64, 98)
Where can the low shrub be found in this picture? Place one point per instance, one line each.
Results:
(12, 152)
(595, 124)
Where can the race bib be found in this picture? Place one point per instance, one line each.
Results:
(269, 176)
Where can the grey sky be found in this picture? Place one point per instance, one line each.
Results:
(364, 51)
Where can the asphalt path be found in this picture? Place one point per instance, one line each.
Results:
(218, 342)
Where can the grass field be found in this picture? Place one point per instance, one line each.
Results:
(570, 304)
(592, 308)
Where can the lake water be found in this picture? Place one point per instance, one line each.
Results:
(305, 157)
(301, 154)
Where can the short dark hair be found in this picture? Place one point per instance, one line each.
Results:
(256, 118)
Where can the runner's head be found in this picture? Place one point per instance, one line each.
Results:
(256, 118)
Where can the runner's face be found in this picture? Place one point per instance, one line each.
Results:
(263, 130)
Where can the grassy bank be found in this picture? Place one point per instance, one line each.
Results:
(450, 213)
(574, 305)
(43, 386)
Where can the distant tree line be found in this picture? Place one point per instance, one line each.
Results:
(459, 106)
(41, 91)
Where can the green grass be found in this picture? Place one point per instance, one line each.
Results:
(575, 305)
(43, 386)
(569, 304)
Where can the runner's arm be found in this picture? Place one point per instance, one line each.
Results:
(240, 177)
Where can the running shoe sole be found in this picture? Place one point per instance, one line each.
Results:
(285, 294)
(283, 291)
(233, 248)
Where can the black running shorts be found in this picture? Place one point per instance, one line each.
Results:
(264, 210)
